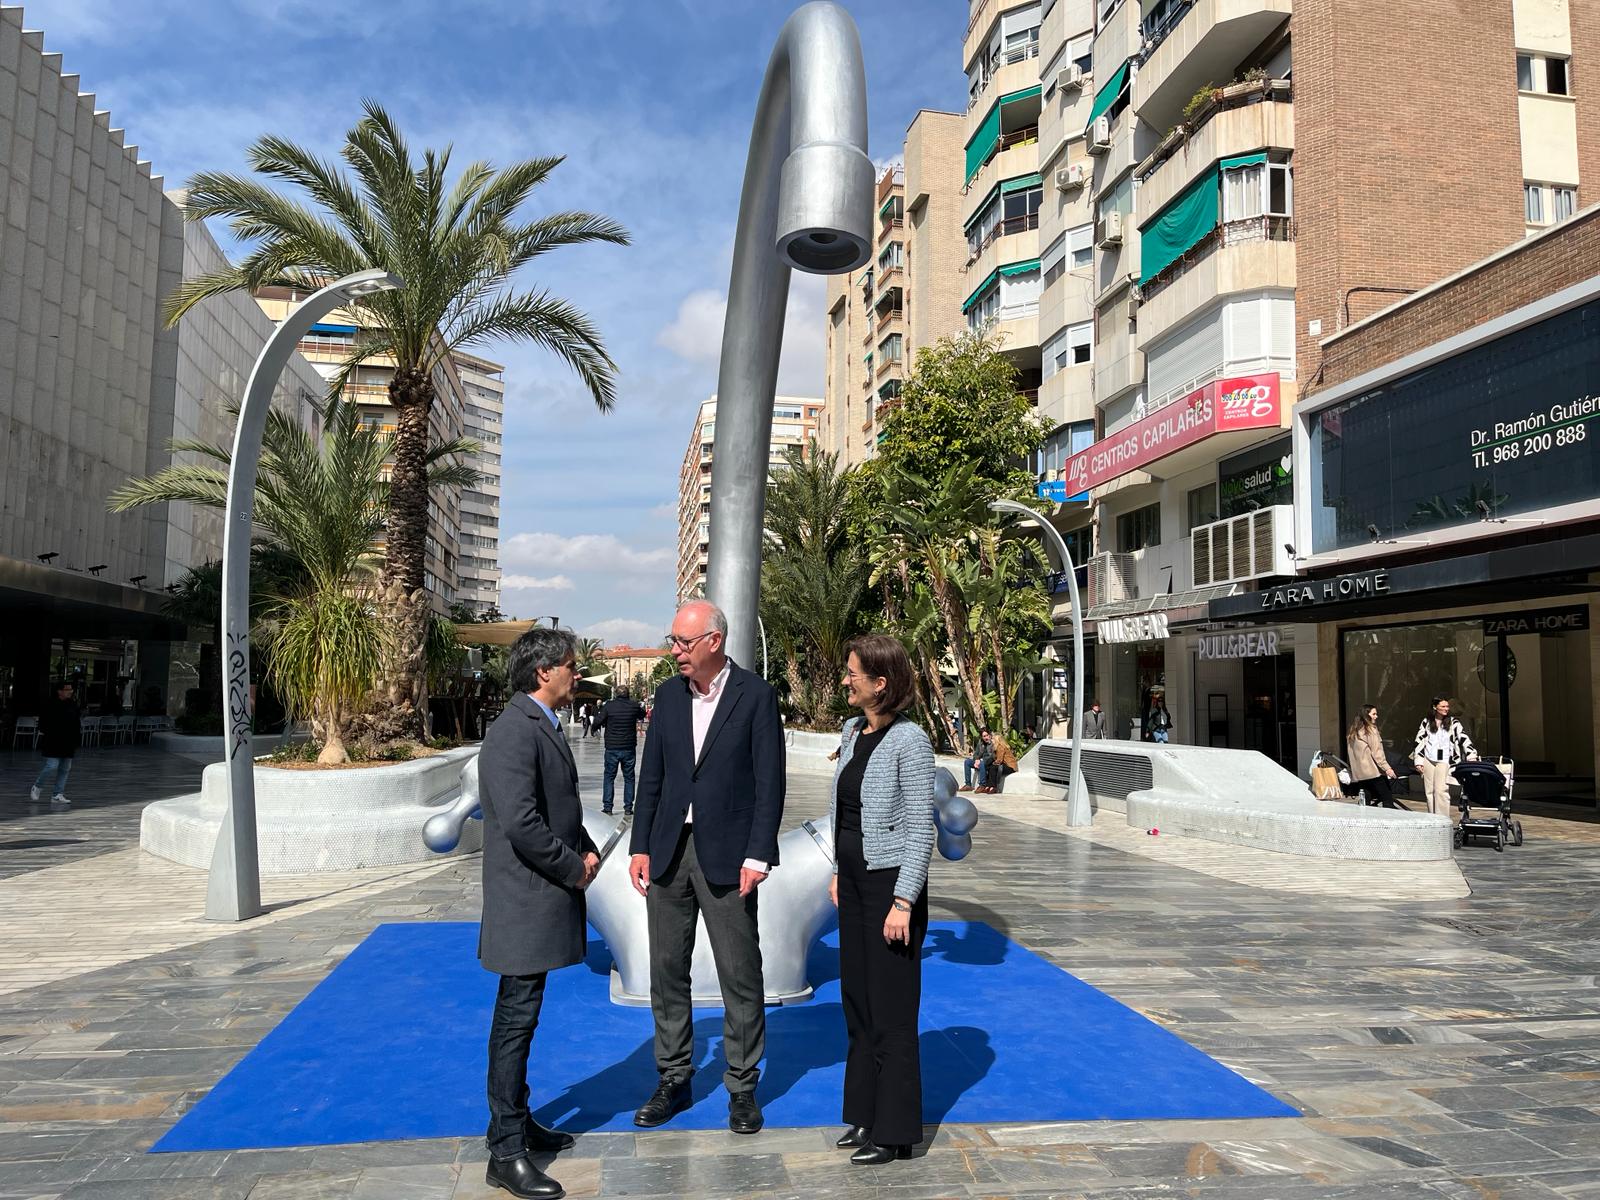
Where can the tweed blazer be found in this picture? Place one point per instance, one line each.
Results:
(897, 826)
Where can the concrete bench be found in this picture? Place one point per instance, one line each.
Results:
(1238, 797)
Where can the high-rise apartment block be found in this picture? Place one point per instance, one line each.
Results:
(452, 511)
(795, 423)
(908, 297)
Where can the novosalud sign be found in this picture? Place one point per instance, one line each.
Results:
(1222, 406)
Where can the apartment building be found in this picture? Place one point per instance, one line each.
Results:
(1209, 215)
(327, 347)
(93, 386)
(909, 297)
(483, 420)
(796, 421)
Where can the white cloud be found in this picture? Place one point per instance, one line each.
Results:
(593, 553)
(695, 333)
(619, 631)
(532, 583)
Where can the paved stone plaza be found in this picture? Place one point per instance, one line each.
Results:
(1447, 1046)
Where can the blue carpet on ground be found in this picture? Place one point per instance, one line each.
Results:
(393, 1045)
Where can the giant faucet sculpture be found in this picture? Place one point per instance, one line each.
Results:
(806, 204)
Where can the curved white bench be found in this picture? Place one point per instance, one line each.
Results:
(318, 820)
(1234, 796)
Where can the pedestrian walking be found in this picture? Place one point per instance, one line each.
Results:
(537, 861)
(1442, 742)
(883, 839)
(1094, 723)
(618, 720)
(60, 731)
(1369, 768)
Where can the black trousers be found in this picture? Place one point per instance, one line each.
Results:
(881, 986)
(516, 1016)
(1379, 792)
(676, 899)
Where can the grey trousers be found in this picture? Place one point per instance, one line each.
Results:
(676, 898)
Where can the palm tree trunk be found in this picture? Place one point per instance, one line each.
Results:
(944, 597)
(402, 691)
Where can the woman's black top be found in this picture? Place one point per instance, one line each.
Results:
(849, 794)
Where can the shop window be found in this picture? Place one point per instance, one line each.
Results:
(1202, 506)
(1139, 528)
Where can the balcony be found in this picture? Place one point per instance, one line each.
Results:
(1017, 153)
(1240, 256)
(885, 366)
(1009, 71)
(1249, 116)
(1203, 44)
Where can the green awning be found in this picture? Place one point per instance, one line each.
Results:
(978, 211)
(1021, 183)
(987, 137)
(1020, 268)
(983, 141)
(1243, 160)
(1185, 219)
(977, 292)
(1107, 96)
(887, 205)
(867, 357)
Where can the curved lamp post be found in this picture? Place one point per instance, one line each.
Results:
(1078, 810)
(233, 889)
(806, 204)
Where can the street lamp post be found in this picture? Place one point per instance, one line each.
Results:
(233, 889)
(1078, 810)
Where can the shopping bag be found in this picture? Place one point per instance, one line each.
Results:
(1325, 783)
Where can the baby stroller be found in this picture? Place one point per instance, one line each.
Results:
(1484, 787)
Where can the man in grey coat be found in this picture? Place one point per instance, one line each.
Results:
(1094, 722)
(537, 860)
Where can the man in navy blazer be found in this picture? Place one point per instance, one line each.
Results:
(705, 835)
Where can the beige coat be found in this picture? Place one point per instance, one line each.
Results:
(1366, 754)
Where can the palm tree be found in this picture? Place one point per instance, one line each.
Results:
(320, 505)
(456, 246)
(813, 576)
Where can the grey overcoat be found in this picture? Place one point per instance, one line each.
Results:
(533, 845)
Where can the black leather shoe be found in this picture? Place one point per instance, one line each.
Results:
(521, 1178)
(856, 1135)
(874, 1155)
(670, 1100)
(744, 1114)
(541, 1140)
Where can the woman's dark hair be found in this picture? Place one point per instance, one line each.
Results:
(883, 657)
(539, 649)
(1361, 722)
(1433, 717)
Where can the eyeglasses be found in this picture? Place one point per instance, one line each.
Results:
(851, 676)
(683, 643)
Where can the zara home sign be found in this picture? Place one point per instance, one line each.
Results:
(1363, 585)
(1252, 644)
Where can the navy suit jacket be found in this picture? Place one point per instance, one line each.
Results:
(736, 785)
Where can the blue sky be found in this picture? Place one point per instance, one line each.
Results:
(650, 100)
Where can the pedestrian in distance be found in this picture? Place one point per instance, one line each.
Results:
(1369, 768)
(882, 809)
(537, 861)
(618, 720)
(1002, 761)
(60, 732)
(1094, 723)
(1442, 743)
(705, 835)
(1158, 725)
(975, 765)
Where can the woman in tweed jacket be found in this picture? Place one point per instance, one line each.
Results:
(883, 834)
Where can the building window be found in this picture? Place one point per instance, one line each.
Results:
(985, 309)
(1202, 506)
(1564, 202)
(889, 350)
(1555, 78)
(1524, 72)
(1139, 528)
(1261, 190)
(1080, 346)
(1533, 203)
(1547, 74)
(1081, 241)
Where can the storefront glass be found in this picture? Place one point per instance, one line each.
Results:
(1525, 696)
(1137, 670)
(1507, 427)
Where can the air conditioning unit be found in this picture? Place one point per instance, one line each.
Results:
(1070, 178)
(1100, 135)
(1111, 230)
(1112, 578)
(1249, 546)
(1071, 76)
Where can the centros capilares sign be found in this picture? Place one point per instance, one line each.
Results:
(1222, 406)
